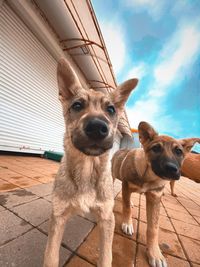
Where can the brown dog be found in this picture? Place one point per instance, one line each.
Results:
(84, 181)
(147, 171)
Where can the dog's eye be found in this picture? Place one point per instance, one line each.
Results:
(178, 151)
(157, 148)
(111, 110)
(77, 106)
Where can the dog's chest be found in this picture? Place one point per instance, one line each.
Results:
(146, 184)
(83, 203)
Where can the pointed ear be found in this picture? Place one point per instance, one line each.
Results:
(188, 143)
(146, 132)
(123, 91)
(68, 82)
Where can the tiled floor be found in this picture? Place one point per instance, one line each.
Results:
(25, 206)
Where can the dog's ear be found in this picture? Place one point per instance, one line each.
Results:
(123, 91)
(68, 82)
(188, 143)
(146, 132)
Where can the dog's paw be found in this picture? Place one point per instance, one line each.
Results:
(157, 262)
(174, 195)
(155, 258)
(127, 228)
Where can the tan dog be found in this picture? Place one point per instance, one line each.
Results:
(147, 170)
(84, 182)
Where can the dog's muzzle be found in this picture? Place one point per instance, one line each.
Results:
(167, 170)
(96, 129)
(172, 171)
(94, 139)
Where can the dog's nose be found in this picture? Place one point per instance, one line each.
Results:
(171, 168)
(96, 129)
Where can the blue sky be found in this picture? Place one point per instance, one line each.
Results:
(159, 43)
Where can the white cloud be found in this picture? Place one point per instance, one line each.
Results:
(115, 43)
(143, 110)
(175, 60)
(153, 7)
(138, 71)
(188, 45)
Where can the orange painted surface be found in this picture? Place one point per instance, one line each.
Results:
(191, 167)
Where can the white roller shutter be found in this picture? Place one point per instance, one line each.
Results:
(30, 113)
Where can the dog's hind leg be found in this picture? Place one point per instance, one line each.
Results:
(154, 254)
(56, 229)
(127, 225)
(172, 184)
(106, 228)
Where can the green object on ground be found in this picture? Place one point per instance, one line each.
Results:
(57, 156)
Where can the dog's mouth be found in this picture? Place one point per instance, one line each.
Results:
(166, 173)
(169, 176)
(91, 148)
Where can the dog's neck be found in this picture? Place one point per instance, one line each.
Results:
(83, 169)
(143, 168)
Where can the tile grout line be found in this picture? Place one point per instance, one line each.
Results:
(189, 197)
(188, 212)
(186, 255)
(185, 196)
(75, 252)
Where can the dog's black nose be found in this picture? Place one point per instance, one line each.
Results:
(96, 129)
(171, 168)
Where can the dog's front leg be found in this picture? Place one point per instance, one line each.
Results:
(154, 254)
(56, 229)
(106, 227)
(127, 224)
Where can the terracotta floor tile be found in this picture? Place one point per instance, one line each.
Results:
(123, 250)
(197, 218)
(6, 174)
(192, 248)
(142, 261)
(135, 198)
(77, 261)
(117, 187)
(118, 209)
(168, 241)
(194, 212)
(23, 181)
(118, 222)
(143, 203)
(177, 207)
(176, 262)
(141, 257)
(166, 224)
(169, 199)
(143, 215)
(5, 186)
(186, 229)
(181, 216)
(44, 179)
(118, 206)
(189, 204)
(164, 221)
(119, 196)
(162, 211)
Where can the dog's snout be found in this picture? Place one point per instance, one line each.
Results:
(171, 168)
(96, 129)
